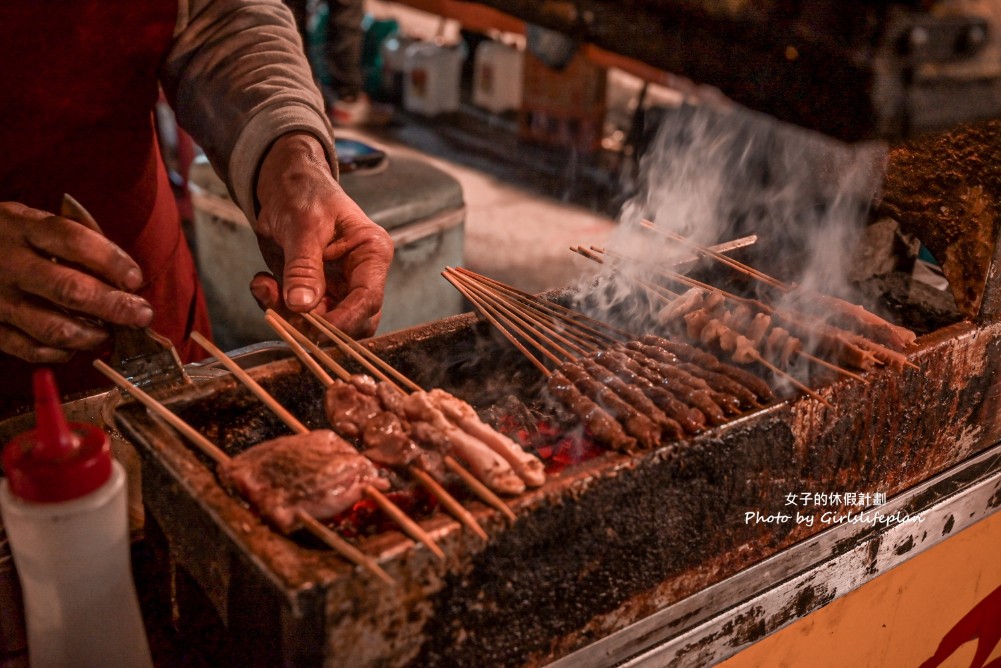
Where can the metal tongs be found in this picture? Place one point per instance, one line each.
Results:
(147, 359)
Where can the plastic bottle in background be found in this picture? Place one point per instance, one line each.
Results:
(497, 77)
(64, 508)
(431, 78)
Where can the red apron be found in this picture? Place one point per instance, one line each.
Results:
(79, 84)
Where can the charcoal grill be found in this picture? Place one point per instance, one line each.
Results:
(603, 545)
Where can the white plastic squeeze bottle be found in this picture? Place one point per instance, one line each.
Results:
(64, 507)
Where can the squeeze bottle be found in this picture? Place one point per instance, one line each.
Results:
(63, 503)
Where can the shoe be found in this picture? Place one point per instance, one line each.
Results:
(359, 112)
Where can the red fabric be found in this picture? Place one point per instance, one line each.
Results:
(76, 116)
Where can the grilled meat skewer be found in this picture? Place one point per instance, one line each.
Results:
(603, 427)
(659, 364)
(691, 419)
(711, 362)
(355, 410)
(528, 467)
(487, 465)
(634, 396)
(637, 425)
(318, 473)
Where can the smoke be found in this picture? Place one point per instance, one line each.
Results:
(715, 174)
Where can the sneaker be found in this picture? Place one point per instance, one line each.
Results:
(359, 112)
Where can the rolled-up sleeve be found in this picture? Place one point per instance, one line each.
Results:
(238, 79)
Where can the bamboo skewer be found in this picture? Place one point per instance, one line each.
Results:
(478, 488)
(297, 348)
(583, 345)
(347, 348)
(658, 290)
(409, 527)
(513, 317)
(310, 523)
(728, 261)
(562, 312)
(363, 355)
(493, 321)
(205, 445)
(450, 502)
(544, 324)
(481, 490)
(314, 350)
(765, 308)
(513, 326)
(283, 328)
(293, 423)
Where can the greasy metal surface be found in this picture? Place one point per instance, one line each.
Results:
(600, 546)
(719, 621)
(852, 69)
(946, 189)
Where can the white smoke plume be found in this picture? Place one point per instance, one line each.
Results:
(714, 174)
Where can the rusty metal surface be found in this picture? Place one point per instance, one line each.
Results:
(852, 69)
(719, 621)
(600, 546)
(946, 189)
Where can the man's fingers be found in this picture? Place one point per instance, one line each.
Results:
(17, 344)
(73, 243)
(85, 294)
(358, 314)
(265, 291)
(51, 328)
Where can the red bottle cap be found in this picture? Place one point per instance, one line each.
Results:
(56, 461)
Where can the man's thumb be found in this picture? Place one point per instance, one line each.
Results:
(303, 281)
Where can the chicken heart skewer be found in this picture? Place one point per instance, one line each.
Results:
(496, 459)
(288, 333)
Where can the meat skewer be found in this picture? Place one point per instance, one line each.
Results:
(634, 396)
(709, 361)
(462, 415)
(603, 427)
(409, 527)
(637, 425)
(872, 324)
(693, 387)
(430, 434)
(599, 406)
(485, 463)
(680, 383)
(310, 523)
(287, 332)
(692, 420)
(693, 302)
(743, 351)
(528, 468)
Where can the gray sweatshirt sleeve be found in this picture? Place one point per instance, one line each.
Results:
(237, 78)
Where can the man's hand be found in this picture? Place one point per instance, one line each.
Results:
(331, 258)
(57, 280)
